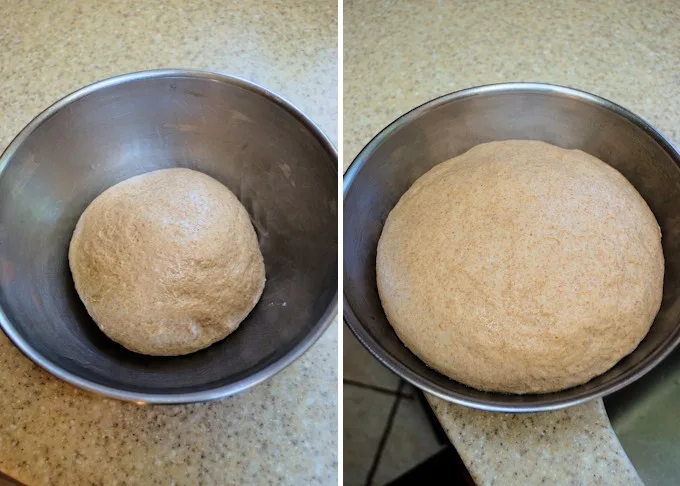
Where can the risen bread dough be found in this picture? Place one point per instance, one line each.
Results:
(521, 267)
(167, 262)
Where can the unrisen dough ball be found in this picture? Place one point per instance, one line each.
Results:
(167, 262)
(521, 267)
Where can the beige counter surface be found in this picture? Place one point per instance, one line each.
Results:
(283, 431)
(400, 54)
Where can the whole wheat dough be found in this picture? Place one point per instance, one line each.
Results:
(521, 267)
(167, 262)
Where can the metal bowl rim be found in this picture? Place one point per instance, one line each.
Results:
(170, 398)
(538, 402)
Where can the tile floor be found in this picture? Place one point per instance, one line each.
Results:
(386, 426)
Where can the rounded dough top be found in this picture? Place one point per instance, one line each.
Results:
(521, 267)
(167, 262)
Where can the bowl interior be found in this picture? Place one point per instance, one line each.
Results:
(279, 167)
(452, 125)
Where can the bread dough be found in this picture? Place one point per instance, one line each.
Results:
(521, 267)
(167, 262)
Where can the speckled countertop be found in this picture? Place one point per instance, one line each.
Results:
(400, 54)
(281, 432)
(573, 446)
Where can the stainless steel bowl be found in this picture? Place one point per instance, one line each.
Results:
(278, 163)
(449, 126)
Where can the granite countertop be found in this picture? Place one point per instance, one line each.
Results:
(401, 54)
(283, 431)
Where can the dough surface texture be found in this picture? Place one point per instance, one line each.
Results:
(521, 267)
(167, 262)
